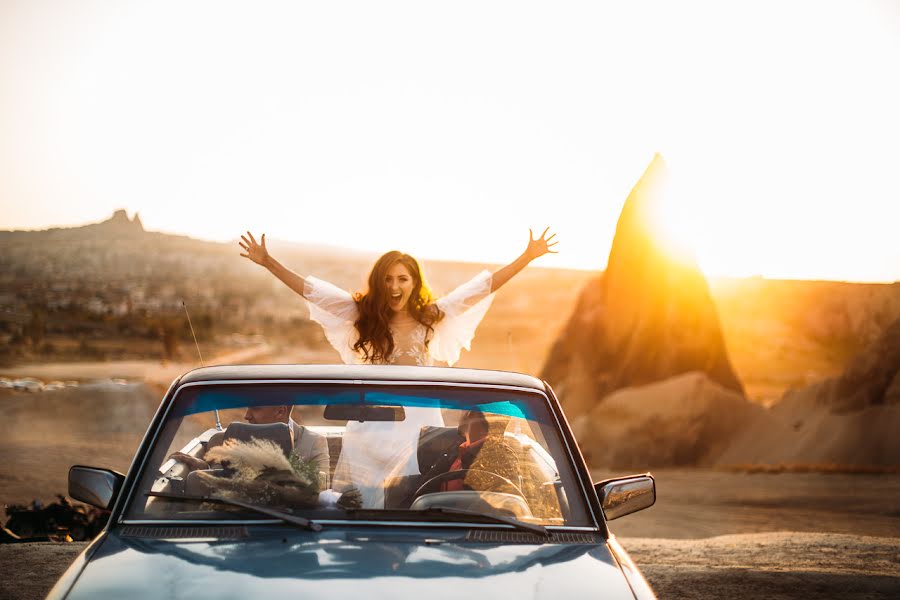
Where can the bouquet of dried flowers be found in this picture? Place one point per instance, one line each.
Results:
(259, 472)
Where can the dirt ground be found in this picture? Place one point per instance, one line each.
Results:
(703, 503)
(770, 565)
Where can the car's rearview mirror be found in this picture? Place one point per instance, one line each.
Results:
(364, 412)
(624, 495)
(97, 487)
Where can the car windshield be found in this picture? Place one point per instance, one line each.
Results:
(364, 451)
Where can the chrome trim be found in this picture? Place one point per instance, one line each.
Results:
(362, 382)
(493, 386)
(623, 496)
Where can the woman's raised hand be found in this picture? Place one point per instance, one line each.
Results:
(255, 252)
(536, 247)
(541, 246)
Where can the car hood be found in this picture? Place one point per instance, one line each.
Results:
(282, 563)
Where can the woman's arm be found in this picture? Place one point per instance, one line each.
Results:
(257, 253)
(536, 247)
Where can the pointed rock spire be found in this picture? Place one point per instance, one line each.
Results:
(649, 317)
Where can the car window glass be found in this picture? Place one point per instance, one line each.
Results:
(319, 450)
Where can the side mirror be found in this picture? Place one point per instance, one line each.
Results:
(624, 495)
(97, 487)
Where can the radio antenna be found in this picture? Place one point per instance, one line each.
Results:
(194, 335)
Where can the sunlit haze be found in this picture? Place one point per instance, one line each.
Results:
(447, 130)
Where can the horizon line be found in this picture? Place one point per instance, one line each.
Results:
(425, 257)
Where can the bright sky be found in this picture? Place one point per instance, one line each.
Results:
(447, 129)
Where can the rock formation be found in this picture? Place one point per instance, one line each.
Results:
(649, 317)
(872, 378)
(686, 420)
(848, 421)
(119, 224)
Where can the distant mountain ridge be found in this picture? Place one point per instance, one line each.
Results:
(121, 227)
(118, 225)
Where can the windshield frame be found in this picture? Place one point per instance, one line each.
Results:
(577, 469)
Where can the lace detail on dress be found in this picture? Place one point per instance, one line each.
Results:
(409, 348)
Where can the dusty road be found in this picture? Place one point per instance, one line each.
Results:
(770, 565)
(701, 503)
(150, 371)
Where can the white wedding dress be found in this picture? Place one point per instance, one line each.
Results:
(464, 308)
(372, 452)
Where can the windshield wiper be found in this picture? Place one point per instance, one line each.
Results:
(457, 512)
(287, 518)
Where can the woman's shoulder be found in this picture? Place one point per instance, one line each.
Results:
(433, 312)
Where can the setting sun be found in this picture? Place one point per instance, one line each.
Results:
(779, 125)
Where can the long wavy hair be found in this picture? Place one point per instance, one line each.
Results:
(375, 340)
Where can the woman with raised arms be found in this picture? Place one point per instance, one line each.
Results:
(397, 321)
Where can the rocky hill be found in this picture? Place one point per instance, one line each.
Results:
(649, 317)
(847, 421)
(872, 378)
(118, 226)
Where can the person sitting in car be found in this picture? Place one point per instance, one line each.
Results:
(471, 458)
(483, 458)
(308, 445)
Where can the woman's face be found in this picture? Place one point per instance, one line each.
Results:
(399, 283)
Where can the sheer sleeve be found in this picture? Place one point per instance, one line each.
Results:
(335, 310)
(463, 309)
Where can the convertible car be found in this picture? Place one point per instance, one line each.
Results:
(302, 481)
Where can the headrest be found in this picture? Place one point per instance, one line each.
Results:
(215, 439)
(434, 442)
(279, 433)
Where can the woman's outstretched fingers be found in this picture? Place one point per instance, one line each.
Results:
(551, 244)
(254, 250)
(539, 246)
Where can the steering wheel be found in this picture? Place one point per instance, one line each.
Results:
(460, 474)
